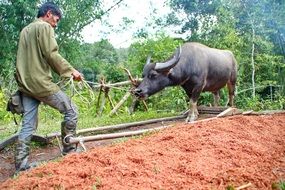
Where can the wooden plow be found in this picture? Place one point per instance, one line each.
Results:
(104, 89)
(109, 132)
(216, 113)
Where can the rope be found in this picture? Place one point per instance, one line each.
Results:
(74, 91)
(99, 85)
(85, 84)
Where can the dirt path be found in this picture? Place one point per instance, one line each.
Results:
(213, 154)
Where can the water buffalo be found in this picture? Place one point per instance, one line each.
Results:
(195, 67)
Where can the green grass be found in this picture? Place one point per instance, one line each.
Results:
(282, 185)
(278, 185)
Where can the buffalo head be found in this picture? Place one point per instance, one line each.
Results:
(156, 76)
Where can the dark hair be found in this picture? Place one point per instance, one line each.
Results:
(49, 6)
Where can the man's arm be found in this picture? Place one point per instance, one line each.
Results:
(49, 48)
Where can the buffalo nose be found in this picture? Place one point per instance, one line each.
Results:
(137, 92)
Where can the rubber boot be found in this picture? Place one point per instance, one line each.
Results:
(21, 156)
(67, 130)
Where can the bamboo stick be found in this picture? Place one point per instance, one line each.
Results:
(127, 125)
(112, 135)
(127, 95)
(121, 126)
(244, 186)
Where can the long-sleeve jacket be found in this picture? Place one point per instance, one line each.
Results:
(37, 56)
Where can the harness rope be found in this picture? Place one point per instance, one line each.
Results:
(85, 84)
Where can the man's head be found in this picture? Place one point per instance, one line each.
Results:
(50, 13)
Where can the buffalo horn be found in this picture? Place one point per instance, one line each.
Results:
(148, 59)
(165, 66)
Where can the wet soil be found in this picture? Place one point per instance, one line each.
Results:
(212, 154)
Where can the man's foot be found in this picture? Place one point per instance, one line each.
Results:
(26, 167)
(69, 150)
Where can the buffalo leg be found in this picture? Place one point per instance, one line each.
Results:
(193, 94)
(193, 112)
(231, 88)
(216, 98)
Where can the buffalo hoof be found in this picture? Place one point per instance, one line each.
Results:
(191, 118)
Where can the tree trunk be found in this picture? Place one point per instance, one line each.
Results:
(252, 60)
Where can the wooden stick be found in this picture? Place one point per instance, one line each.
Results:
(132, 124)
(8, 141)
(13, 138)
(120, 103)
(129, 75)
(145, 105)
(199, 121)
(230, 111)
(208, 110)
(120, 126)
(112, 135)
(244, 186)
(134, 105)
(103, 101)
(98, 101)
(127, 125)
(265, 112)
(110, 100)
(118, 84)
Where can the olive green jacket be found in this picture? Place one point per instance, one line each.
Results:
(37, 56)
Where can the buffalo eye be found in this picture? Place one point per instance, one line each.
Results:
(152, 75)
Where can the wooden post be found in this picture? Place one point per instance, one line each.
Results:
(102, 105)
(127, 95)
(110, 100)
(145, 105)
(134, 105)
(98, 101)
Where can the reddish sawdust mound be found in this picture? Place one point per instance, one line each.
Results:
(208, 155)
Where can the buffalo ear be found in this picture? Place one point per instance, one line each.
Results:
(147, 68)
(167, 73)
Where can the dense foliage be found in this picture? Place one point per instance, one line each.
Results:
(253, 29)
(17, 14)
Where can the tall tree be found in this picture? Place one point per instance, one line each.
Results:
(101, 58)
(199, 13)
(256, 26)
(14, 16)
(254, 18)
(17, 14)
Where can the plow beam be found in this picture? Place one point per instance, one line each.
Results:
(75, 140)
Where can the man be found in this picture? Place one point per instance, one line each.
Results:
(37, 56)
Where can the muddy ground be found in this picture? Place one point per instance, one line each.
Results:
(236, 150)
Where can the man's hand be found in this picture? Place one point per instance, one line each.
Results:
(77, 75)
